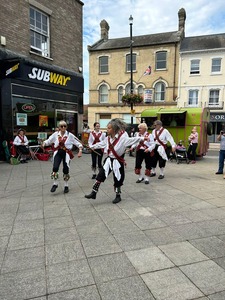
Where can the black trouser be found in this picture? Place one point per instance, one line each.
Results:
(158, 158)
(60, 156)
(191, 153)
(140, 156)
(117, 183)
(96, 158)
(23, 149)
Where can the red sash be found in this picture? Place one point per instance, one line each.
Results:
(96, 137)
(62, 141)
(21, 138)
(111, 149)
(141, 144)
(157, 137)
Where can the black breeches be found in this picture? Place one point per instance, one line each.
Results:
(191, 153)
(23, 149)
(117, 183)
(158, 158)
(96, 158)
(140, 156)
(60, 156)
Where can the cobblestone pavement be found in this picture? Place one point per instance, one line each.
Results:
(165, 240)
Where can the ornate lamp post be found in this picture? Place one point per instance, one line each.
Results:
(131, 65)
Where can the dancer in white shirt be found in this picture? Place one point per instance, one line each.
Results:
(115, 145)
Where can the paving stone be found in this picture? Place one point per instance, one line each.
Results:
(26, 240)
(110, 267)
(58, 222)
(182, 253)
(87, 231)
(24, 284)
(217, 296)
(100, 245)
(171, 284)
(28, 226)
(162, 236)
(133, 240)
(53, 236)
(211, 246)
(51, 211)
(30, 215)
(148, 260)
(125, 289)
(220, 262)
(22, 259)
(206, 275)
(83, 293)
(122, 226)
(69, 275)
(63, 252)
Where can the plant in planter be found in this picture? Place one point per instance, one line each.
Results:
(132, 98)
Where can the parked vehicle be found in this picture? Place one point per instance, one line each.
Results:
(180, 121)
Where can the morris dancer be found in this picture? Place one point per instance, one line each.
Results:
(114, 145)
(96, 136)
(144, 153)
(63, 143)
(21, 142)
(161, 137)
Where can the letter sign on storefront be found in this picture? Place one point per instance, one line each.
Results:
(44, 75)
(28, 107)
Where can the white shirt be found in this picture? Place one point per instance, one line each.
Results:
(70, 141)
(120, 147)
(91, 138)
(164, 137)
(18, 142)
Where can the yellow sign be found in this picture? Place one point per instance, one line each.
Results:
(132, 112)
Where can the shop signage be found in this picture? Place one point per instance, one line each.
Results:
(28, 107)
(21, 119)
(216, 117)
(148, 96)
(47, 76)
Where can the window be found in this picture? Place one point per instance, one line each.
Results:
(195, 66)
(103, 94)
(161, 60)
(128, 65)
(193, 98)
(39, 32)
(216, 65)
(160, 91)
(214, 97)
(120, 94)
(103, 64)
(141, 90)
(104, 120)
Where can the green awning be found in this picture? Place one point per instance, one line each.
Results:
(170, 112)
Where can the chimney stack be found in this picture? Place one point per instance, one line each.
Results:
(182, 18)
(104, 30)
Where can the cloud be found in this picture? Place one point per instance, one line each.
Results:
(202, 17)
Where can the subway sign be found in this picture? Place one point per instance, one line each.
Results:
(50, 77)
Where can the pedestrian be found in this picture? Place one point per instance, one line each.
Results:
(21, 142)
(115, 145)
(96, 136)
(143, 153)
(63, 143)
(221, 139)
(193, 144)
(161, 137)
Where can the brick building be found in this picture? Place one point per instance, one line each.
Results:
(41, 65)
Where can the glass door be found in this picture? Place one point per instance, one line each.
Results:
(71, 119)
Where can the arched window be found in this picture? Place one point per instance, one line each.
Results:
(140, 90)
(103, 94)
(160, 90)
(120, 94)
(127, 89)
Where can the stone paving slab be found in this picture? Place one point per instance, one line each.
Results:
(164, 240)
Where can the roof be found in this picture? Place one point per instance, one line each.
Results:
(138, 41)
(204, 42)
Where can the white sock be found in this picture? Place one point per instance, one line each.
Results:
(153, 170)
(146, 178)
(66, 183)
(55, 182)
(161, 171)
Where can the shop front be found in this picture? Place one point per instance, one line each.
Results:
(36, 97)
(217, 120)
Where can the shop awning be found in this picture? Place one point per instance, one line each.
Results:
(171, 112)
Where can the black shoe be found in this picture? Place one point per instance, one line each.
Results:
(152, 174)
(54, 187)
(22, 161)
(117, 199)
(217, 173)
(66, 189)
(161, 177)
(25, 162)
(146, 182)
(92, 195)
(139, 180)
(93, 176)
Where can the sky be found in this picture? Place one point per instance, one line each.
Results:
(203, 17)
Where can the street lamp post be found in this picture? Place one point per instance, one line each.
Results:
(131, 66)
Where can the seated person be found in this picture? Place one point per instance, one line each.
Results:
(21, 142)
